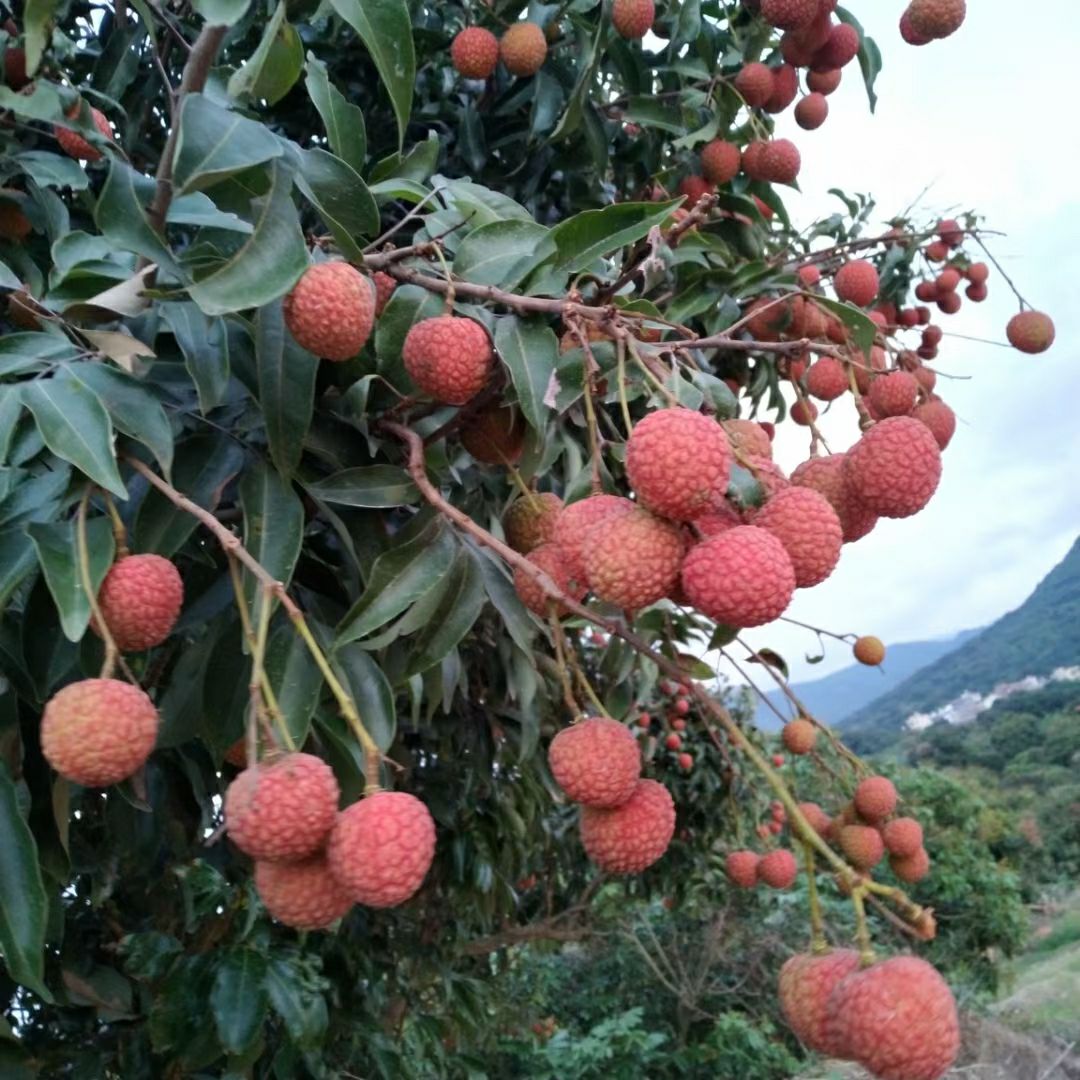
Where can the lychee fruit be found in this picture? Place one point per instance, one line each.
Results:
(597, 762)
(778, 869)
(495, 435)
(672, 741)
(909, 33)
(903, 836)
(474, 53)
(862, 846)
(1030, 332)
(789, 14)
(816, 818)
(780, 161)
(939, 418)
(803, 412)
(575, 521)
(742, 577)
(675, 460)
(857, 282)
(823, 82)
(632, 18)
(875, 798)
(977, 273)
(742, 867)
(809, 275)
(748, 437)
(897, 1018)
(97, 732)
(720, 161)
(827, 476)
(799, 736)
(685, 761)
(632, 560)
(936, 18)
(910, 868)
(977, 293)
(755, 83)
(826, 379)
(284, 809)
(752, 162)
(895, 467)
(694, 187)
(806, 982)
(548, 557)
(448, 357)
(530, 520)
(841, 48)
(630, 837)
(808, 527)
(331, 310)
(140, 600)
(385, 287)
(303, 895)
(74, 145)
(894, 394)
(812, 111)
(381, 848)
(523, 49)
(869, 650)
(785, 89)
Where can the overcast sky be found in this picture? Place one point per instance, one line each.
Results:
(985, 118)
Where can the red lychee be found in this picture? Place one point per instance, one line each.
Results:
(778, 869)
(530, 522)
(898, 1018)
(523, 49)
(911, 868)
(806, 982)
(720, 161)
(903, 836)
(331, 310)
(826, 379)
(282, 810)
(785, 89)
(632, 18)
(857, 282)
(597, 762)
(841, 48)
(632, 560)
(895, 467)
(630, 837)
(869, 650)
(1030, 332)
(808, 275)
(303, 895)
(685, 761)
(894, 394)
(909, 33)
(140, 600)
(939, 418)
(806, 524)
(799, 736)
(824, 82)
(752, 164)
(475, 53)
(495, 435)
(803, 412)
(827, 476)
(385, 287)
(549, 558)
(98, 732)
(936, 18)
(947, 281)
(675, 460)
(977, 273)
(748, 437)
(742, 867)
(694, 187)
(448, 357)
(875, 798)
(949, 302)
(780, 161)
(789, 14)
(576, 520)
(381, 848)
(816, 818)
(74, 145)
(755, 83)
(812, 111)
(862, 846)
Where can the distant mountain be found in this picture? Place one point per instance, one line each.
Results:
(836, 696)
(1041, 635)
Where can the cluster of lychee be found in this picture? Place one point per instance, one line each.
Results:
(673, 728)
(314, 862)
(476, 52)
(627, 822)
(924, 21)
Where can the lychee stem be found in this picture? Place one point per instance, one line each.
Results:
(448, 305)
(559, 641)
(583, 682)
(620, 358)
(862, 931)
(527, 492)
(818, 944)
(590, 418)
(119, 531)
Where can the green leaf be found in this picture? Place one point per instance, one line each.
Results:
(501, 252)
(530, 350)
(296, 679)
(134, 409)
(480, 205)
(8, 278)
(655, 114)
(121, 216)
(238, 999)
(587, 236)
(302, 1008)
(459, 607)
(504, 598)
(214, 143)
(198, 209)
(687, 23)
(16, 561)
(20, 353)
(385, 28)
(221, 12)
(269, 262)
(862, 327)
(205, 346)
(58, 554)
(369, 486)
(343, 121)
(42, 103)
(75, 427)
(869, 55)
(52, 170)
(341, 198)
(23, 901)
(274, 66)
(370, 690)
(286, 376)
(37, 19)
(273, 524)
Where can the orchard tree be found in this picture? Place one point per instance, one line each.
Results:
(387, 391)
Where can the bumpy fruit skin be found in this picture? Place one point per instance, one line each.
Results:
(303, 895)
(98, 731)
(936, 18)
(742, 867)
(778, 869)
(903, 836)
(720, 161)
(1030, 332)
(742, 577)
(495, 435)
(575, 522)
(597, 762)
(824, 82)
(448, 357)
(862, 846)
(284, 810)
(523, 49)
(894, 394)
(839, 50)
(74, 145)
(140, 600)
(897, 1018)
(755, 82)
(785, 89)
(550, 559)
(909, 33)
(817, 819)
(812, 111)
(632, 560)
(911, 868)
(869, 650)
(531, 522)
(331, 310)
(826, 380)
(475, 53)
(804, 522)
(631, 837)
(806, 983)
(895, 467)
(675, 460)
(385, 287)
(939, 418)
(693, 188)
(789, 14)
(799, 736)
(780, 161)
(748, 437)
(826, 475)
(632, 18)
(857, 282)
(875, 798)
(381, 848)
